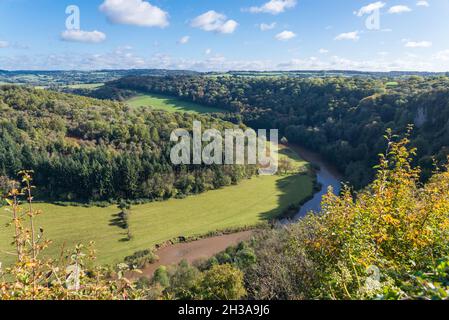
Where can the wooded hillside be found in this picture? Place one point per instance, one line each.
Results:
(342, 118)
(84, 149)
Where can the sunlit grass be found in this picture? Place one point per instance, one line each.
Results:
(247, 204)
(170, 104)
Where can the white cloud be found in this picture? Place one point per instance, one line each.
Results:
(354, 36)
(370, 8)
(4, 44)
(266, 26)
(323, 51)
(214, 21)
(83, 36)
(208, 52)
(399, 9)
(285, 35)
(134, 12)
(419, 44)
(423, 3)
(184, 40)
(274, 6)
(341, 63)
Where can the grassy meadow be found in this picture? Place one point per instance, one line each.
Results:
(170, 104)
(90, 86)
(249, 203)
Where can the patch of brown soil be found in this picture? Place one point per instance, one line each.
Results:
(193, 251)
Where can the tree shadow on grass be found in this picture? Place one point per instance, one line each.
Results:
(187, 106)
(295, 191)
(117, 221)
(292, 155)
(288, 152)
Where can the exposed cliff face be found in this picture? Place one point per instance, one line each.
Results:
(421, 117)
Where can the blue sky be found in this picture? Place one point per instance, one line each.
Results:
(223, 35)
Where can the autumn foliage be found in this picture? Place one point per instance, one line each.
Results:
(388, 241)
(377, 243)
(72, 276)
(395, 225)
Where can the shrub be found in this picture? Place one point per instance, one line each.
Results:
(141, 258)
(222, 282)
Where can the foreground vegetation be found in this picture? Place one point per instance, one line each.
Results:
(69, 277)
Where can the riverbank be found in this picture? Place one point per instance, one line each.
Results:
(193, 251)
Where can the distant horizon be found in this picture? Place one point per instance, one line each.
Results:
(224, 71)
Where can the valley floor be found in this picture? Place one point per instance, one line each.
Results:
(170, 104)
(247, 204)
(193, 251)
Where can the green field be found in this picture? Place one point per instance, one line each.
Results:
(90, 86)
(170, 104)
(246, 204)
(392, 84)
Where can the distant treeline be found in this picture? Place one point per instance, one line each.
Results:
(84, 149)
(342, 118)
(55, 79)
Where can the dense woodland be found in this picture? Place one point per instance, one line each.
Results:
(342, 118)
(84, 149)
